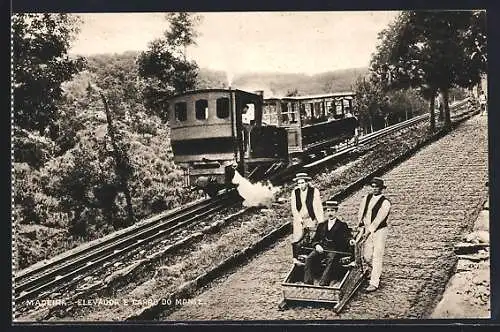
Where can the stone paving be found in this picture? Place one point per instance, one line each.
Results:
(436, 196)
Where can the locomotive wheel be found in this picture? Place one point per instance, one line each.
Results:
(212, 189)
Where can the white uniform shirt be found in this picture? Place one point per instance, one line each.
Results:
(301, 218)
(331, 222)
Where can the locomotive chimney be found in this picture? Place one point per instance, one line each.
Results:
(259, 92)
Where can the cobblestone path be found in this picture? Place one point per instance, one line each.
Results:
(435, 195)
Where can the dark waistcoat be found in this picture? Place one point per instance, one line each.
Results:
(309, 201)
(375, 210)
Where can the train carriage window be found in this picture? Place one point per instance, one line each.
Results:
(222, 108)
(303, 111)
(347, 105)
(289, 113)
(338, 107)
(201, 109)
(295, 110)
(180, 111)
(284, 114)
(270, 114)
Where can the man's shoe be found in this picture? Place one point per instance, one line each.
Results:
(371, 288)
(351, 264)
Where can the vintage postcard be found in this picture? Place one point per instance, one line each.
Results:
(250, 166)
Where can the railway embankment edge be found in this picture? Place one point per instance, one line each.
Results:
(467, 293)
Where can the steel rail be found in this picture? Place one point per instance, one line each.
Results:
(73, 253)
(377, 135)
(65, 268)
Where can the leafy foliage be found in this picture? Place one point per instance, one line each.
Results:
(432, 51)
(40, 65)
(403, 105)
(164, 66)
(377, 108)
(368, 101)
(182, 31)
(74, 190)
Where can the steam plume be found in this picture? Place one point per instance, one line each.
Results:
(255, 194)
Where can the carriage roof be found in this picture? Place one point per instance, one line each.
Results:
(349, 94)
(194, 92)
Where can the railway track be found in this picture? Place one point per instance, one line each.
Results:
(61, 271)
(374, 136)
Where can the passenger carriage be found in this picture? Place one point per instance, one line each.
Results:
(313, 122)
(338, 293)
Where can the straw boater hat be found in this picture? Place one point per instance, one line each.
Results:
(378, 182)
(332, 205)
(303, 176)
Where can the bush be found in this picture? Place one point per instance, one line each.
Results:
(157, 183)
(458, 94)
(31, 148)
(377, 108)
(403, 105)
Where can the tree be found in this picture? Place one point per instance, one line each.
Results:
(431, 51)
(182, 31)
(40, 65)
(164, 65)
(122, 162)
(475, 40)
(369, 98)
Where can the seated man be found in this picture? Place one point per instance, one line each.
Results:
(332, 235)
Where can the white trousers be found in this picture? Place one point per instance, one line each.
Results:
(298, 227)
(373, 253)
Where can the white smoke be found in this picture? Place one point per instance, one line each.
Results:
(255, 194)
(229, 77)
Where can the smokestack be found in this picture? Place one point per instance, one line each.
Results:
(259, 92)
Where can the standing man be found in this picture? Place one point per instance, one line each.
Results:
(307, 211)
(332, 235)
(483, 102)
(372, 220)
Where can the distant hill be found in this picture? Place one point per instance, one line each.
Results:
(279, 84)
(210, 79)
(273, 84)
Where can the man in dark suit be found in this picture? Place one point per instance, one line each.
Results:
(331, 235)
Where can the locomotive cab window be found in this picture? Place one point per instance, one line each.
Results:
(180, 111)
(248, 114)
(201, 109)
(222, 108)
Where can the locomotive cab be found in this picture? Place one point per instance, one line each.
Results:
(212, 130)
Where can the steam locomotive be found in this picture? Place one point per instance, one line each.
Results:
(217, 131)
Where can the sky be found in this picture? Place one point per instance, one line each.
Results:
(238, 42)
